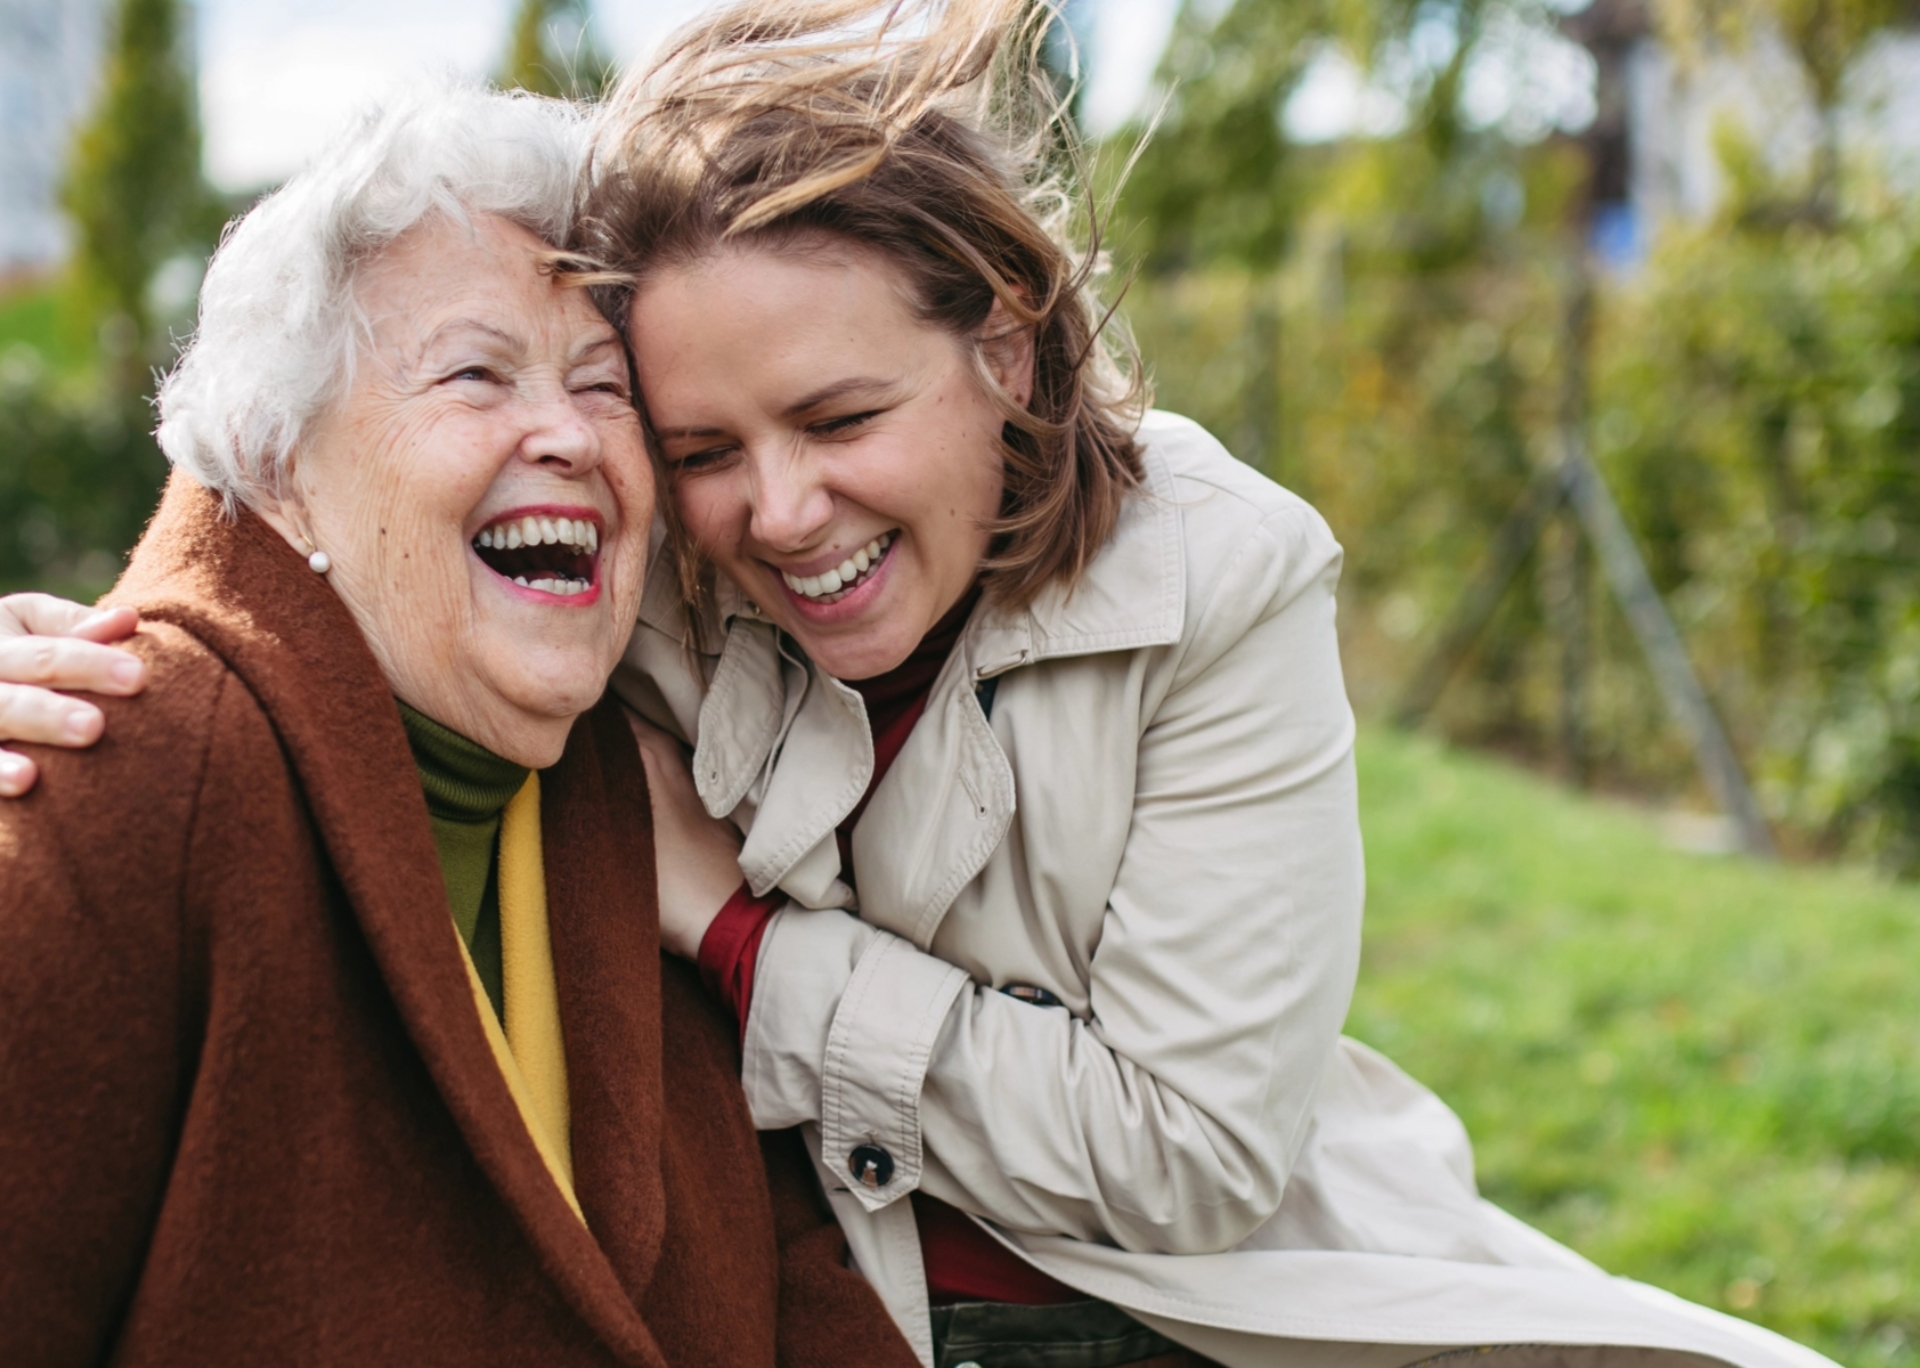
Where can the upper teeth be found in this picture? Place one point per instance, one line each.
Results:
(833, 581)
(577, 533)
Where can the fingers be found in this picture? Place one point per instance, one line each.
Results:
(60, 662)
(45, 615)
(52, 719)
(17, 774)
(109, 624)
(45, 641)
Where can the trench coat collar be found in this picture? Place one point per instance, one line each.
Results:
(1132, 595)
(234, 584)
(766, 702)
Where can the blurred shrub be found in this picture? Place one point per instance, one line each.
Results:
(1755, 402)
(1383, 324)
(79, 476)
(1401, 369)
(79, 473)
(1758, 404)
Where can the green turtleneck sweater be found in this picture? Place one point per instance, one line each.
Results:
(467, 788)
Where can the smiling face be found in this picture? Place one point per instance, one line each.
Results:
(834, 455)
(482, 489)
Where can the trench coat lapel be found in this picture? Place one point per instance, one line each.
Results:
(940, 812)
(946, 804)
(240, 589)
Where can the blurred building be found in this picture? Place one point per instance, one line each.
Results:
(49, 70)
(1659, 118)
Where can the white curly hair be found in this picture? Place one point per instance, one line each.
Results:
(280, 326)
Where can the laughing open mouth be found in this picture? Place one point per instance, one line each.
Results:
(555, 555)
(831, 586)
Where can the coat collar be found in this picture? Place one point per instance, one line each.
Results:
(234, 584)
(1132, 595)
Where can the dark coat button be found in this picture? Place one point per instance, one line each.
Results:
(870, 1166)
(1026, 992)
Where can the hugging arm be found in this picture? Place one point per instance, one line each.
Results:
(48, 644)
(1170, 1117)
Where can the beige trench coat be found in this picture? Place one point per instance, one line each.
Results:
(1139, 797)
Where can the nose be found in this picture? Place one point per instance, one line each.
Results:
(791, 506)
(557, 434)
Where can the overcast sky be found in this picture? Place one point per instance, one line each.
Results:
(278, 76)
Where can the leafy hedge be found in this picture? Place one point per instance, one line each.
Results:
(1754, 399)
(79, 476)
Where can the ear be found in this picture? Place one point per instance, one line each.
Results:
(286, 513)
(1007, 346)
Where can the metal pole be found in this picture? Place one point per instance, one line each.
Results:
(1633, 588)
(1511, 545)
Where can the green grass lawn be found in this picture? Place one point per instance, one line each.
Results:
(1700, 1071)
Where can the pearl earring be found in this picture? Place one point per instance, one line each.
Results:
(319, 563)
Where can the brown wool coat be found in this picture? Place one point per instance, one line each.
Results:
(248, 1114)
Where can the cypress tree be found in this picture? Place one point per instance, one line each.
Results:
(133, 187)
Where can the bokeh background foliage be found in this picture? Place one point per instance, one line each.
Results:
(78, 470)
(1387, 325)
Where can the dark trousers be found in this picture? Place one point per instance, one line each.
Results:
(1085, 1334)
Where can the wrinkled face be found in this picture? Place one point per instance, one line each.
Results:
(834, 455)
(482, 488)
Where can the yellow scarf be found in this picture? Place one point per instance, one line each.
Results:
(529, 1051)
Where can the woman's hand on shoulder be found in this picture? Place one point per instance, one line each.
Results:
(48, 644)
(697, 856)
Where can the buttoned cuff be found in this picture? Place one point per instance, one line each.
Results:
(843, 1025)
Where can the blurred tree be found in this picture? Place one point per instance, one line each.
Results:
(552, 51)
(1826, 39)
(1212, 182)
(1220, 180)
(134, 187)
(1378, 321)
(78, 478)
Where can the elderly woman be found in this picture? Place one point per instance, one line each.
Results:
(267, 1102)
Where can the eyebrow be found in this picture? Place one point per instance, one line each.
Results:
(839, 389)
(600, 343)
(473, 325)
(826, 394)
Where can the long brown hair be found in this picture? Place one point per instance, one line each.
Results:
(927, 131)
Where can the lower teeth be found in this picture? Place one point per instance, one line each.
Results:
(564, 588)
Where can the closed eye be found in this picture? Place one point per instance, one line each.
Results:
(695, 461)
(833, 427)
